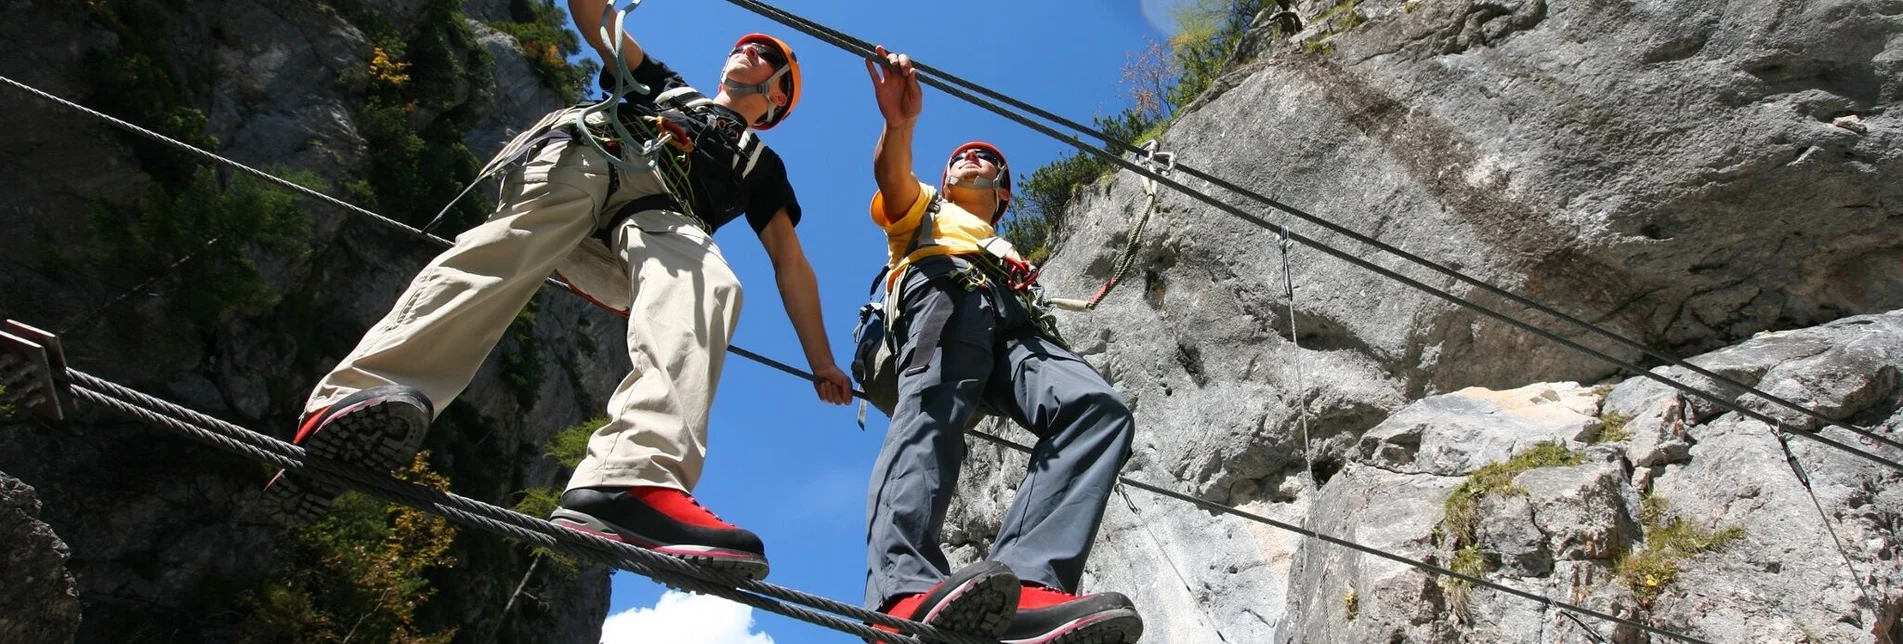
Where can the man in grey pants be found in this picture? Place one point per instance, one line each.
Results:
(965, 338)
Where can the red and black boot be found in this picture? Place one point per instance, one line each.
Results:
(1047, 616)
(664, 520)
(979, 599)
(381, 428)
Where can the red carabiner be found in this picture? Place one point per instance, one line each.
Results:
(1022, 273)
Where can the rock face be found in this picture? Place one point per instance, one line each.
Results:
(1686, 173)
(158, 526)
(41, 603)
(1563, 535)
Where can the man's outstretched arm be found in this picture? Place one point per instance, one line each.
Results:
(799, 291)
(895, 84)
(587, 15)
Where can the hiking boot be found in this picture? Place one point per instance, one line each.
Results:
(664, 520)
(380, 428)
(1047, 616)
(979, 599)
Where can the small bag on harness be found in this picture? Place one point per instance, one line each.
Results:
(875, 362)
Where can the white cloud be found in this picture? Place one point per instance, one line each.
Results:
(682, 618)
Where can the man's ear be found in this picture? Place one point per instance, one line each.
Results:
(779, 99)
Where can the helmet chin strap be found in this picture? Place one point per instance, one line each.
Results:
(980, 183)
(764, 88)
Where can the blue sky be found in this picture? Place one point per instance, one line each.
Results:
(781, 463)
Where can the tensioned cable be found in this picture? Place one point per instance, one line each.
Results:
(97, 314)
(1803, 478)
(671, 570)
(820, 33)
(1586, 627)
(685, 575)
(1181, 188)
(1171, 561)
(1415, 563)
(1224, 509)
(1301, 387)
(865, 50)
(386, 221)
(765, 10)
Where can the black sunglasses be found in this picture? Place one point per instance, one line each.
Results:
(772, 57)
(980, 153)
(769, 54)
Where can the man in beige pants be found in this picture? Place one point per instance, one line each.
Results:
(631, 233)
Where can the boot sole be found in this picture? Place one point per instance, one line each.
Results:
(741, 563)
(1118, 626)
(371, 433)
(983, 606)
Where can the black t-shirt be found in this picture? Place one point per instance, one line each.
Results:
(721, 192)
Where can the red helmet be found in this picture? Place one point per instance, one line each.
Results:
(788, 76)
(1001, 186)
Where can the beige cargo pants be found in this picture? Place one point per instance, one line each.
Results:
(681, 299)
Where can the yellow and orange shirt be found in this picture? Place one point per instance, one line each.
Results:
(955, 231)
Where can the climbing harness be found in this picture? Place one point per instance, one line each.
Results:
(1160, 163)
(662, 139)
(592, 123)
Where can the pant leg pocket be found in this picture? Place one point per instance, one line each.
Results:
(566, 162)
(941, 316)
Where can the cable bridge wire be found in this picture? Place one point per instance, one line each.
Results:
(667, 569)
(347, 206)
(864, 49)
(1231, 209)
(945, 82)
(1181, 188)
(928, 77)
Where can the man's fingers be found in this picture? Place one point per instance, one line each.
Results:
(831, 393)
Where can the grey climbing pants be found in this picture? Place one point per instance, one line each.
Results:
(958, 350)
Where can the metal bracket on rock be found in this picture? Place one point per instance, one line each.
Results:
(28, 359)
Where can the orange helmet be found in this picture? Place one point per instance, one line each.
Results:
(788, 76)
(1000, 186)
